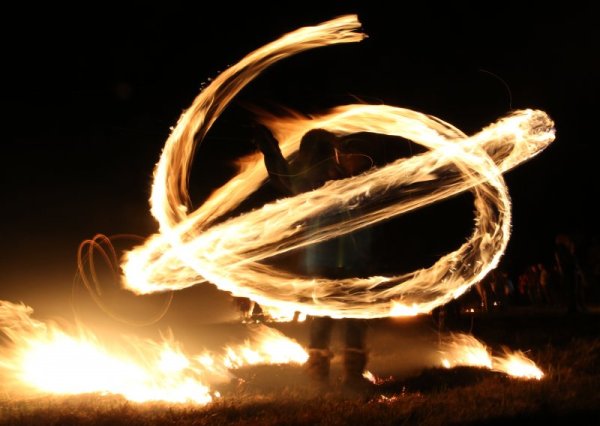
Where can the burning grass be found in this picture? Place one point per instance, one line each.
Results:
(274, 395)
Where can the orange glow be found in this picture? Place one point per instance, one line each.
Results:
(43, 357)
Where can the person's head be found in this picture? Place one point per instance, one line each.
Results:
(317, 145)
(566, 241)
(325, 156)
(316, 162)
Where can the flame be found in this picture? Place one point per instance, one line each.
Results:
(190, 248)
(278, 315)
(463, 349)
(376, 380)
(46, 358)
(401, 310)
(268, 346)
(369, 376)
(516, 364)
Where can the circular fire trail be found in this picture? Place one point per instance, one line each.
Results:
(190, 248)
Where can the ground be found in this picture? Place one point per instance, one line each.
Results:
(413, 390)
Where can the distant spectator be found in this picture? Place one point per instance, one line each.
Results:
(533, 284)
(593, 261)
(523, 290)
(501, 289)
(569, 272)
(545, 285)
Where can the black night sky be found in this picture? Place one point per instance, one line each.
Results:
(89, 95)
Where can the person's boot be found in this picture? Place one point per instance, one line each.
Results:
(355, 361)
(318, 365)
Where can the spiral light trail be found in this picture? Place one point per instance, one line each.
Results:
(191, 249)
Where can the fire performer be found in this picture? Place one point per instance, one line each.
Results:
(323, 156)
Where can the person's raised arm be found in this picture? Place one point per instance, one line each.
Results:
(276, 164)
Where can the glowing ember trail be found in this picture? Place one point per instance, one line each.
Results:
(190, 249)
(463, 349)
(45, 358)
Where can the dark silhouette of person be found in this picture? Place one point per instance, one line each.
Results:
(322, 157)
(545, 285)
(568, 270)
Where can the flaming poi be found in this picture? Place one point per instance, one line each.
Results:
(190, 248)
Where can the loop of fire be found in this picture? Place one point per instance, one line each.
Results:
(193, 247)
(188, 250)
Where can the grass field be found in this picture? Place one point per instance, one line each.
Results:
(413, 391)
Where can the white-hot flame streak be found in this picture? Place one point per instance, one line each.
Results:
(466, 350)
(401, 310)
(188, 250)
(46, 358)
(278, 315)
